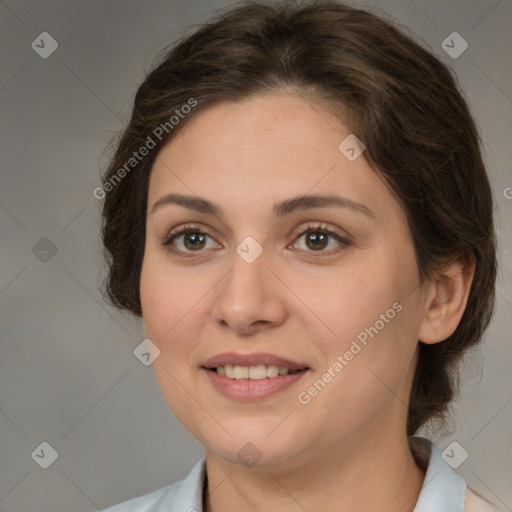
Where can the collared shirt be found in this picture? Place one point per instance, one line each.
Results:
(442, 491)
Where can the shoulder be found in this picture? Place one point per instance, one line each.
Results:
(475, 503)
(148, 502)
(183, 495)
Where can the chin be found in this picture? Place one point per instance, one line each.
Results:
(256, 455)
(257, 446)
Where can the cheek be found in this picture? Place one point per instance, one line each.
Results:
(167, 297)
(349, 302)
(175, 309)
(169, 308)
(373, 320)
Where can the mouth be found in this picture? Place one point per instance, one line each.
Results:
(256, 366)
(248, 377)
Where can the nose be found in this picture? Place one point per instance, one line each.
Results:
(250, 298)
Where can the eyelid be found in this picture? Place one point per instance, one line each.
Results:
(180, 230)
(319, 226)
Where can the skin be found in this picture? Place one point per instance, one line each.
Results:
(347, 448)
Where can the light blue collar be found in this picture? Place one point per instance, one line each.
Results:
(442, 490)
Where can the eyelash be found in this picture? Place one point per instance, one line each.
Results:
(311, 228)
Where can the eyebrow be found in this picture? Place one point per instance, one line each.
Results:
(299, 203)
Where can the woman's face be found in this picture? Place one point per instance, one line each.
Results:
(261, 276)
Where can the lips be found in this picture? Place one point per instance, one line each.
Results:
(261, 358)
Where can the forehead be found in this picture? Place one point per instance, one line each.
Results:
(264, 149)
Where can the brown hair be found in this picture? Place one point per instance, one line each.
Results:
(404, 104)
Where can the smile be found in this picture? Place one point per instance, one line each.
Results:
(258, 372)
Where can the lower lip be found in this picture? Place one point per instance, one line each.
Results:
(249, 389)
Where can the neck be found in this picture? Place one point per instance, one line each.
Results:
(363, 473)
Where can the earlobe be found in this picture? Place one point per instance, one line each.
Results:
(447, 300)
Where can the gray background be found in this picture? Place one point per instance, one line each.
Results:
(68, 375)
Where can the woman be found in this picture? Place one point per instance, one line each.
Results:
(299, 211)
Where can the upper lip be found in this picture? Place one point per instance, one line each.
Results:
(232, 358)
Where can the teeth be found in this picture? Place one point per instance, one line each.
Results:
(239, 372)
(259, 372)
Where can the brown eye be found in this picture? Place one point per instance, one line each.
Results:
(188, 240)
(318, 238)
(194, 241)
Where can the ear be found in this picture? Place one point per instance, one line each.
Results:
(446, 300)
